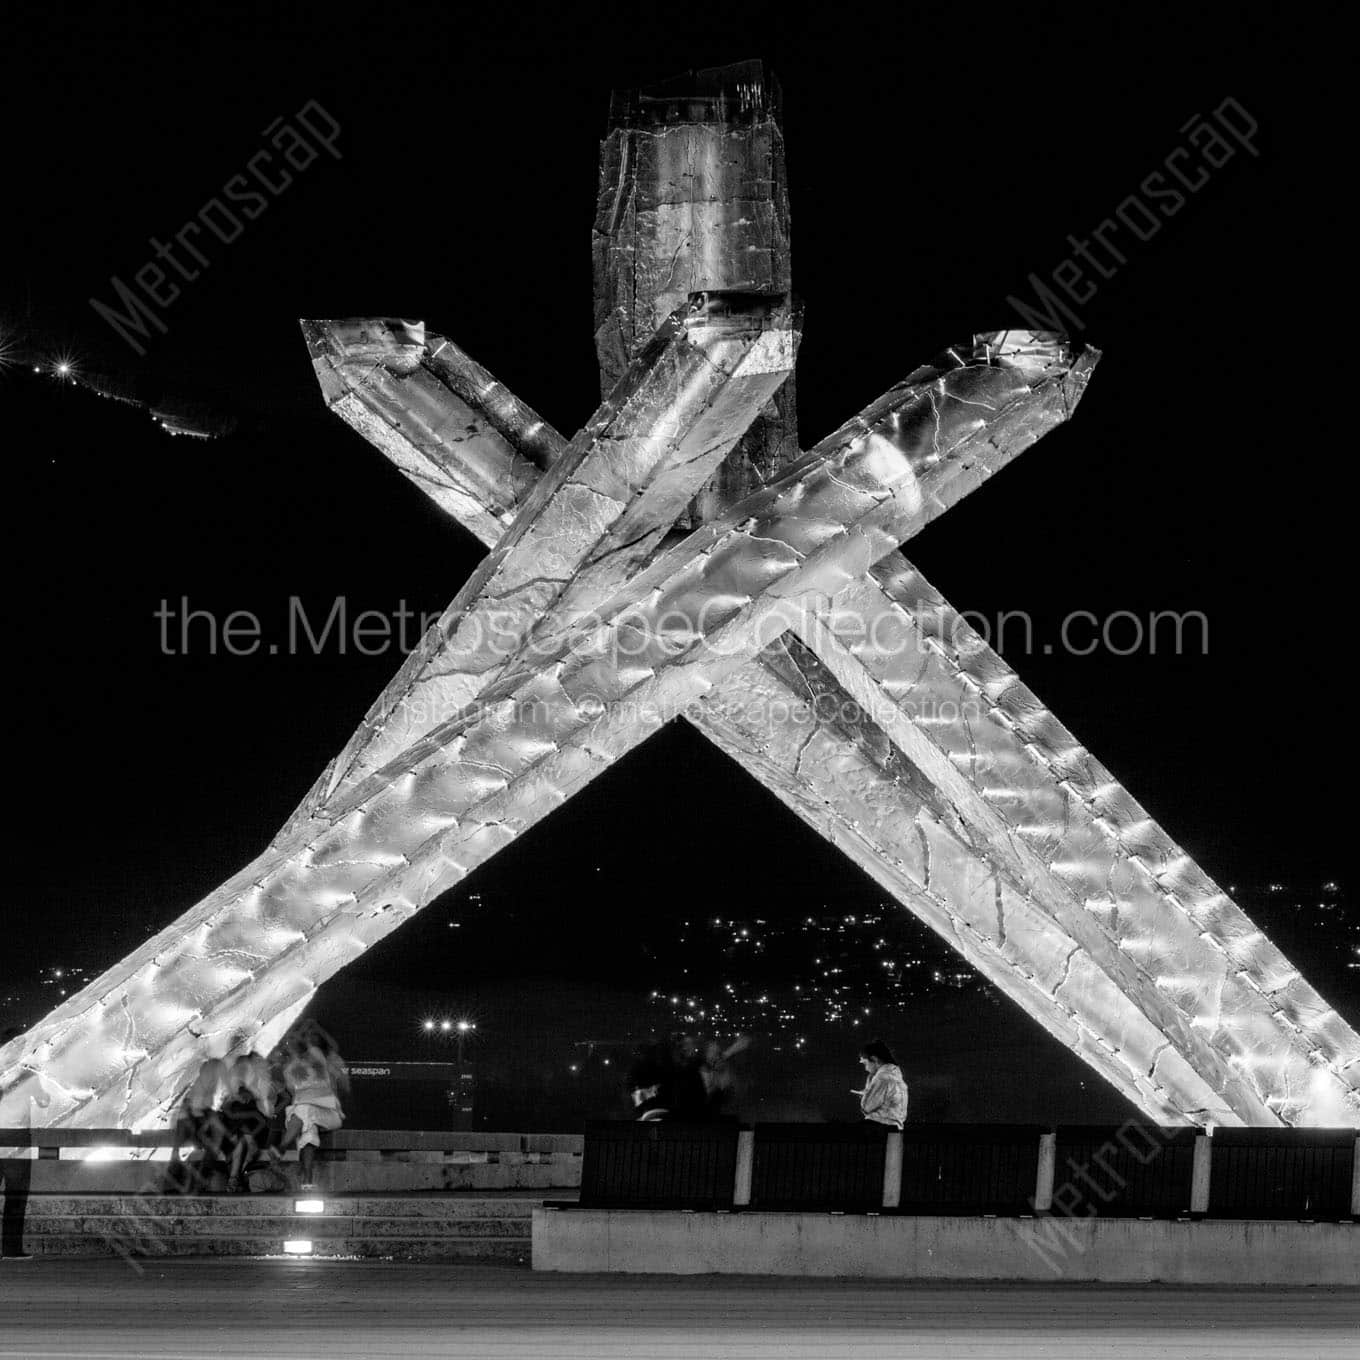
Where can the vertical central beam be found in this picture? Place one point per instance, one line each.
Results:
(694, 198)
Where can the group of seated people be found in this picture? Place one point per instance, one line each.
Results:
(238, 1111)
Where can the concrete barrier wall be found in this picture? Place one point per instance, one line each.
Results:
(1129, 1251)
(353, 1174)
(353, 1161)
(148, 1228)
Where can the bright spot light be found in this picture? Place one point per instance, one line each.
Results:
(299, 1246)
(574, 1067)
(464, 1026)
(446, 1025)
(63, 368)
(428, 1025)
(309, 1206)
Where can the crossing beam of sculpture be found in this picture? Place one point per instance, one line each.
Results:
(681, 558)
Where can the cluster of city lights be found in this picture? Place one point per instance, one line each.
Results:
(66, 367)
(771, 988)
(64, 979)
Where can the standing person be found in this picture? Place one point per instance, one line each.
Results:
(688, 1095)
(649, 1081)
(719, 1078)
(883, 1098)
(313, 1073)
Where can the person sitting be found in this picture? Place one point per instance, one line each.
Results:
(883, 1098)
(245, 1115)
(313, 1073)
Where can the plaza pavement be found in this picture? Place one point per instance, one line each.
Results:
(61, 1309)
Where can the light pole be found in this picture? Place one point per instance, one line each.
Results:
(465, 1027)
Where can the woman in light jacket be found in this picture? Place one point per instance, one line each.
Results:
(314, 1075)
(884, 1097)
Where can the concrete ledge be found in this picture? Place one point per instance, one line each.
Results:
(15, 1142)
(146, 1250)
(355, 1172)
(153, 1226)
(1110, 1250)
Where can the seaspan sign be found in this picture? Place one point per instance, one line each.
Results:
(407, 1071)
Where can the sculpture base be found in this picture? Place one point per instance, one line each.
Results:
(891, 1246)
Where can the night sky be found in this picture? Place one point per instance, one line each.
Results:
(937, 159)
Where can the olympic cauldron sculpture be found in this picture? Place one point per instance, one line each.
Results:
(681, 558)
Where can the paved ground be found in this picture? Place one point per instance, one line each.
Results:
(62, 1309)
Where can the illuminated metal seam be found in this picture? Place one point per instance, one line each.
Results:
(119, 1050)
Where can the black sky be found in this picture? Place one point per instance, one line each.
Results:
(937, 157)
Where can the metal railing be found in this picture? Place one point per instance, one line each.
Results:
(1132, 1170)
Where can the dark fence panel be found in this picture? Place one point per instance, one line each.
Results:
(660, 1165)
(818, 1166)
(1281, 1173)
(961, 1168)
(1129, 1171)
